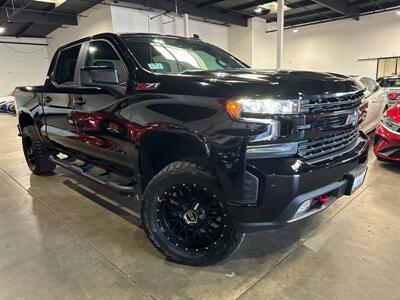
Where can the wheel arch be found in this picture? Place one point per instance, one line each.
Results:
(25, 119)
(159, 149)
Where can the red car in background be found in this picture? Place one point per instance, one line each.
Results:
(387, 137)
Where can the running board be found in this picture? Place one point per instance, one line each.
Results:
(105, 178)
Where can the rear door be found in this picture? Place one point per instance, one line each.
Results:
(58, 97)
(103, 130)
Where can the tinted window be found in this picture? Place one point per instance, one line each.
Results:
(173, 55)
(66, 65)
(102, 54)
(389, 82)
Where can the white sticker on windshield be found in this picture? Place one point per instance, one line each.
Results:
(155, 66)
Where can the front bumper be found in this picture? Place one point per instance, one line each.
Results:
(387, 143)
(285, 184)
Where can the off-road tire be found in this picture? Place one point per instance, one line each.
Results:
(36, 154)
(196, 173)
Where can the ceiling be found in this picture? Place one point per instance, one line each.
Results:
(31, 18)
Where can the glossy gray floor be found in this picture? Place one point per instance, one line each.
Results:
(64, 238)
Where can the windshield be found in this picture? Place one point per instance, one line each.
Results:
(389, 82)
(174, 55)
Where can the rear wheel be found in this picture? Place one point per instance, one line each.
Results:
(185, 217)
(36, 154)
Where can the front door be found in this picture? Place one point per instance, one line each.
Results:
(103, 130)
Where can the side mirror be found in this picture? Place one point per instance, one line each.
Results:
(99, 76)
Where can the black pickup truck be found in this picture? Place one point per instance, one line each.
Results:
(211, 148)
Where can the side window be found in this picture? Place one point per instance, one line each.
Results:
(365, 83)
(102, 54)
(66, 65)
(371, 84)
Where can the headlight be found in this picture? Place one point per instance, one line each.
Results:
(391, 124)
(255, 110)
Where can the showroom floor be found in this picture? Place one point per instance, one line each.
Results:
(65, 238)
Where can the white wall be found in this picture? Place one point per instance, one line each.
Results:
(21, 64)
(132, 20)
(334, 46)
(95, 20)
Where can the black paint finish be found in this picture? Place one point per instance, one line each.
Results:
(135, 131)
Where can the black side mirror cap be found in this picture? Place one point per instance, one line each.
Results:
(99, 76)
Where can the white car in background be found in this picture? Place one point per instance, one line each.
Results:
(376, 102)
(391, 85)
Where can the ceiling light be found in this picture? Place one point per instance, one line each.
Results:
(273, 7)
(56, 2)
(296, 30)
(2, 30)
(258, 10)
(398, 12)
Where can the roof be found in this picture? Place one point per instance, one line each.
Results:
(31, 18)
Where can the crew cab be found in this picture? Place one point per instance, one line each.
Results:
(211, 148)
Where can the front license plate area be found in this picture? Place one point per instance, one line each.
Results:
(358, 179)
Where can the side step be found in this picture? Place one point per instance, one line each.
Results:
(111, 180)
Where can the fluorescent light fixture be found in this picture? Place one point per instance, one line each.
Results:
(258, 10)
(398, 12)
(296, 30)
(56, 2)
(2, 30)
(273, 7)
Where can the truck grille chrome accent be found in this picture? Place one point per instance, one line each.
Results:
(328, 147)
(333, 102)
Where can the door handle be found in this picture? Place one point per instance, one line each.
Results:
(80, 101)
(47, 99)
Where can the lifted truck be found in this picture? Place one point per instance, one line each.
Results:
(212, 148)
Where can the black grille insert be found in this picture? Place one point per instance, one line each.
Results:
(328, 147)
(336, 102)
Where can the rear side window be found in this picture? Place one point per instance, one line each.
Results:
(66, 65)
(102, 54)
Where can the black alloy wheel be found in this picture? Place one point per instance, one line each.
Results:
(185, 216)
(191, 217)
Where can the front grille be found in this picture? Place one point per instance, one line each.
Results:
(328, 147)
(334, 121)
(329, 103)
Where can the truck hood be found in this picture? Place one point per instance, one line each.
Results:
(257, 83)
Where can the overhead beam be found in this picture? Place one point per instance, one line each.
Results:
(16, 12)
(23, 28)
(315, 12)
(248, 5)
(340, 7)
(300, 4)
(206, 12)
(23, 43)
(27, 15)
(208, 3)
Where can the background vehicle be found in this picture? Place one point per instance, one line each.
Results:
(392, 87)
(211, 148)
(375, 103)
(7, 104)
(387, 137)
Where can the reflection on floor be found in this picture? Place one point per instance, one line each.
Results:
(67, 238)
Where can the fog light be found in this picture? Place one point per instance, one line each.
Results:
(303, 208)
